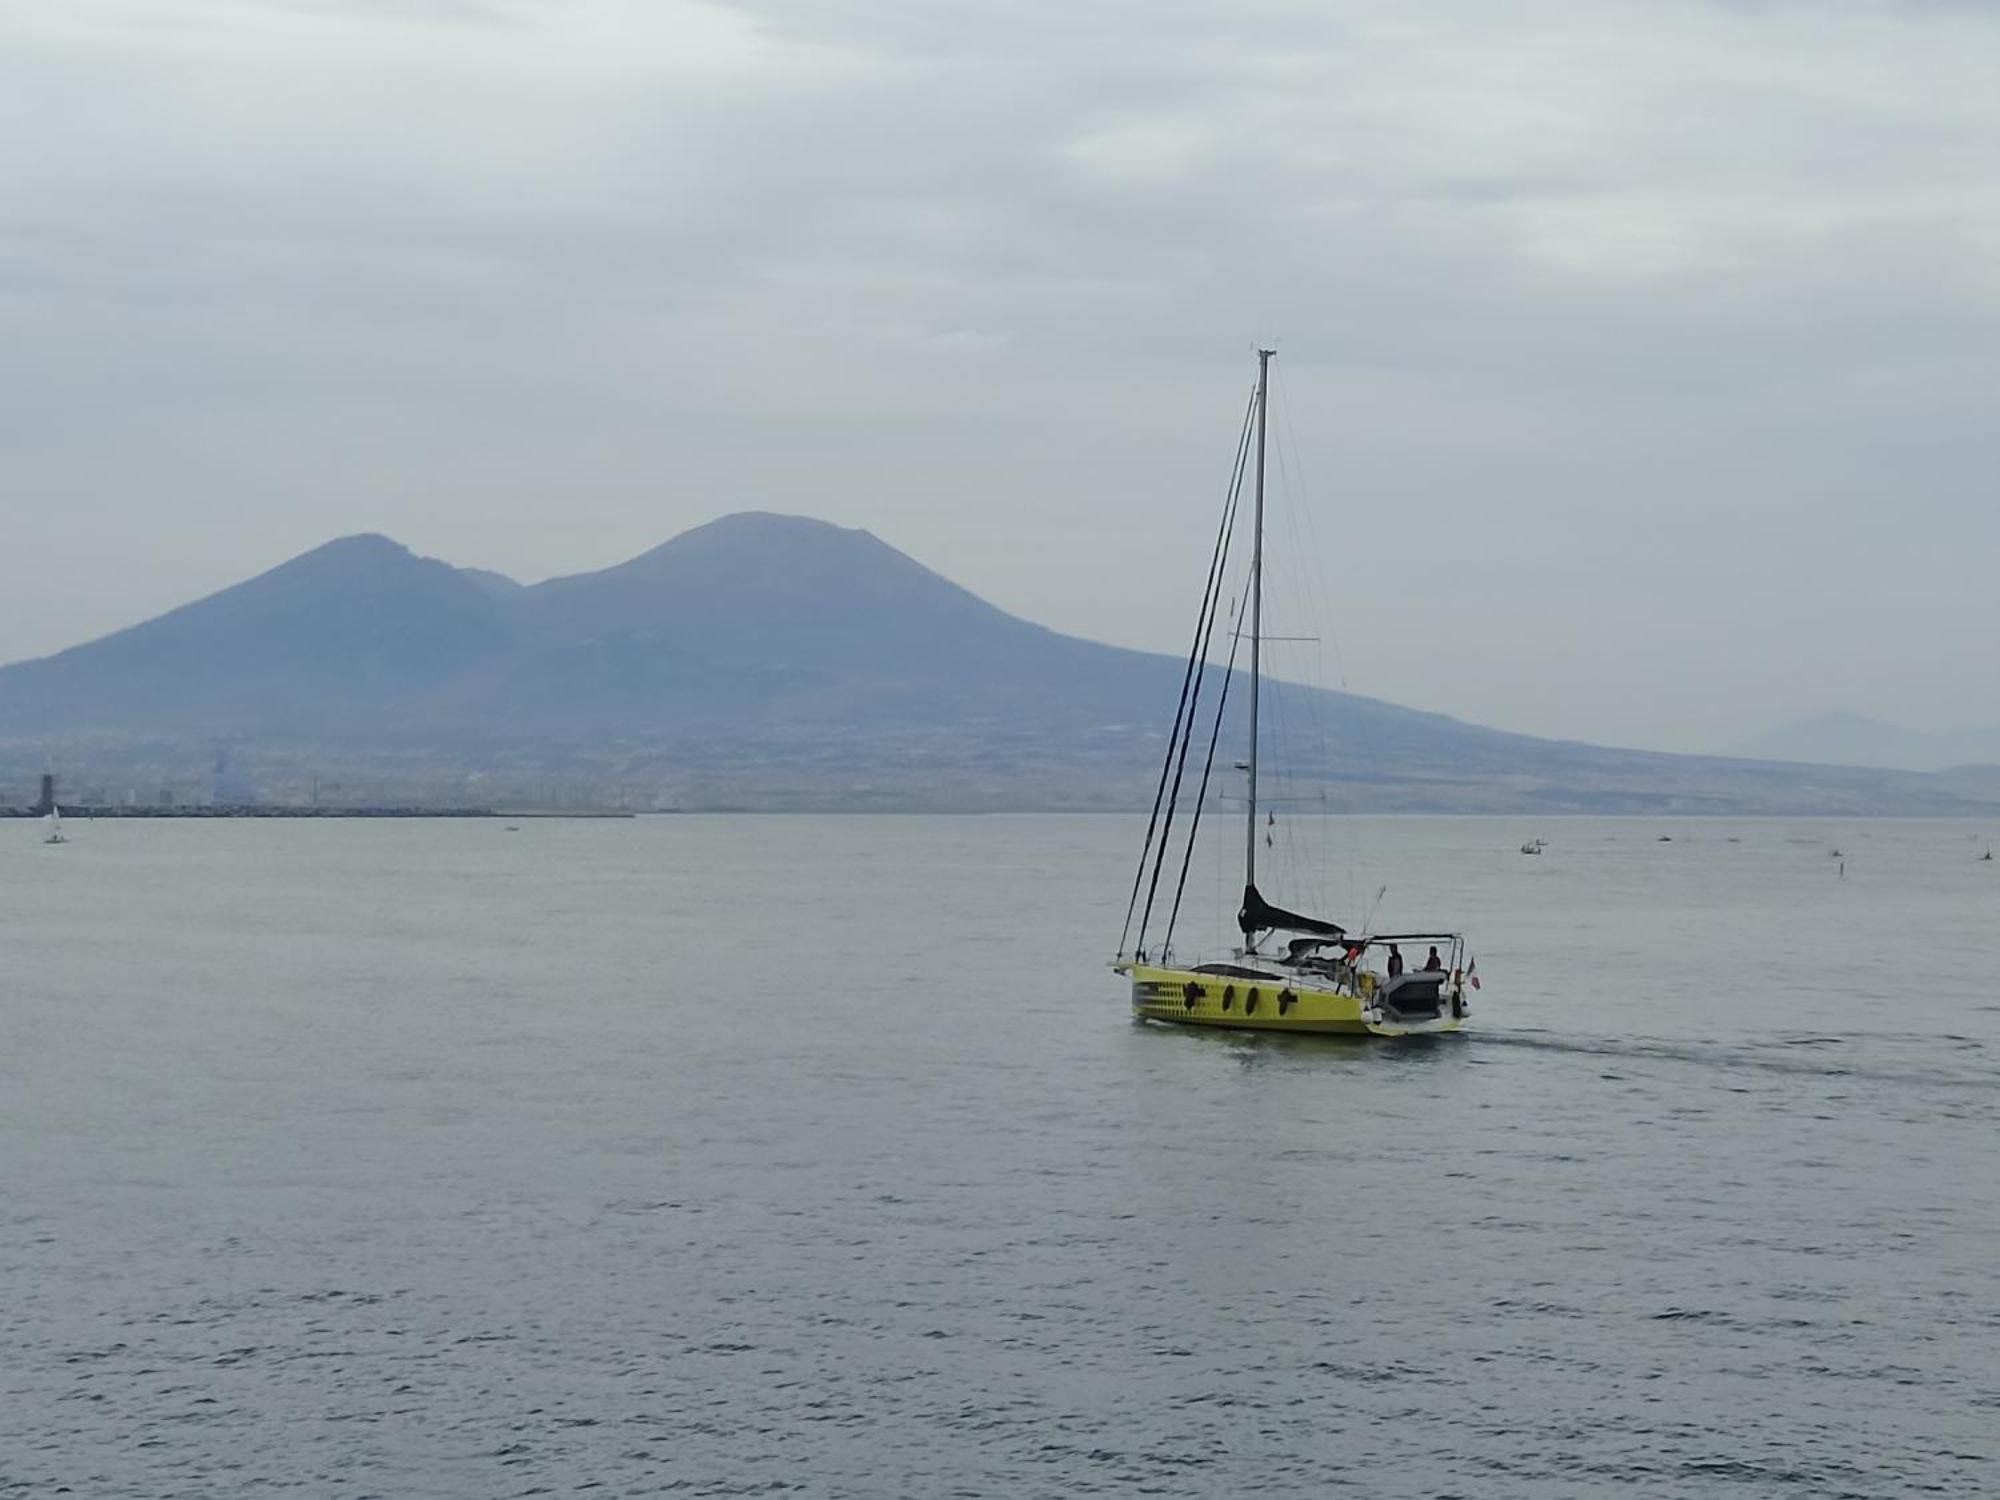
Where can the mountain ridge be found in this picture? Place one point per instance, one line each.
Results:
(765, 660)
(1844, 738)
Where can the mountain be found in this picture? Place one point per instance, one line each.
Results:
(1982, 782)
(1849, 739)
(780, 621)
(761, 661)
(499, 585)
(356, 632)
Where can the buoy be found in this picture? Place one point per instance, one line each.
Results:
(1190, 993)
(1286, 999)
(1228, 996)
(1250, 1004)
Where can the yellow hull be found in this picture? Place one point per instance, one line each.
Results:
(1187, 998)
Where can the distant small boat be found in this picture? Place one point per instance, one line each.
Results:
(1533, 846)
(53, 823)
(1986, 857)
(1665, 838)
(1836, 854)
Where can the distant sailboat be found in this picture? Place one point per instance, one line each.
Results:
(53, 824)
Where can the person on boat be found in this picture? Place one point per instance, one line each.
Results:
(1434, 964)
(1395, 962)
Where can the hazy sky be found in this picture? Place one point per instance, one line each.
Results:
(1642, 355)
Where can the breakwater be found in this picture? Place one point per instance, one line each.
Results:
(85, 812)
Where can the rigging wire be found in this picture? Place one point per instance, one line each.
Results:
(1197, 652)
(1361, 729)
(1303, 775)
(1200, 676)
(1201, 797)
(1293, 777)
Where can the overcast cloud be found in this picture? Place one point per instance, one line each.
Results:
(1642, 356)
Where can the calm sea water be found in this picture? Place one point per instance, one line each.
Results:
(765, 1155)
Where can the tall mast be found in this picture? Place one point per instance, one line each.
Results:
(1256, 616)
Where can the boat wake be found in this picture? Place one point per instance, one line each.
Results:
(1804, 1054)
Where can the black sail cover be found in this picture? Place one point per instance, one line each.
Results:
(1259, 915)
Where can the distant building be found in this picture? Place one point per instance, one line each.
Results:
(229, 785)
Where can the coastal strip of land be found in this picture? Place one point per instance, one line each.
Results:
(84, 813)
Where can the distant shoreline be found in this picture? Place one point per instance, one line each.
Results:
(85, 813)
(82, 813)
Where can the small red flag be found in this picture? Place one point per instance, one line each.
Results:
(1472, 972)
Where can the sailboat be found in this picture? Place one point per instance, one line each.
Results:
(53, 825)
(1290, 971)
